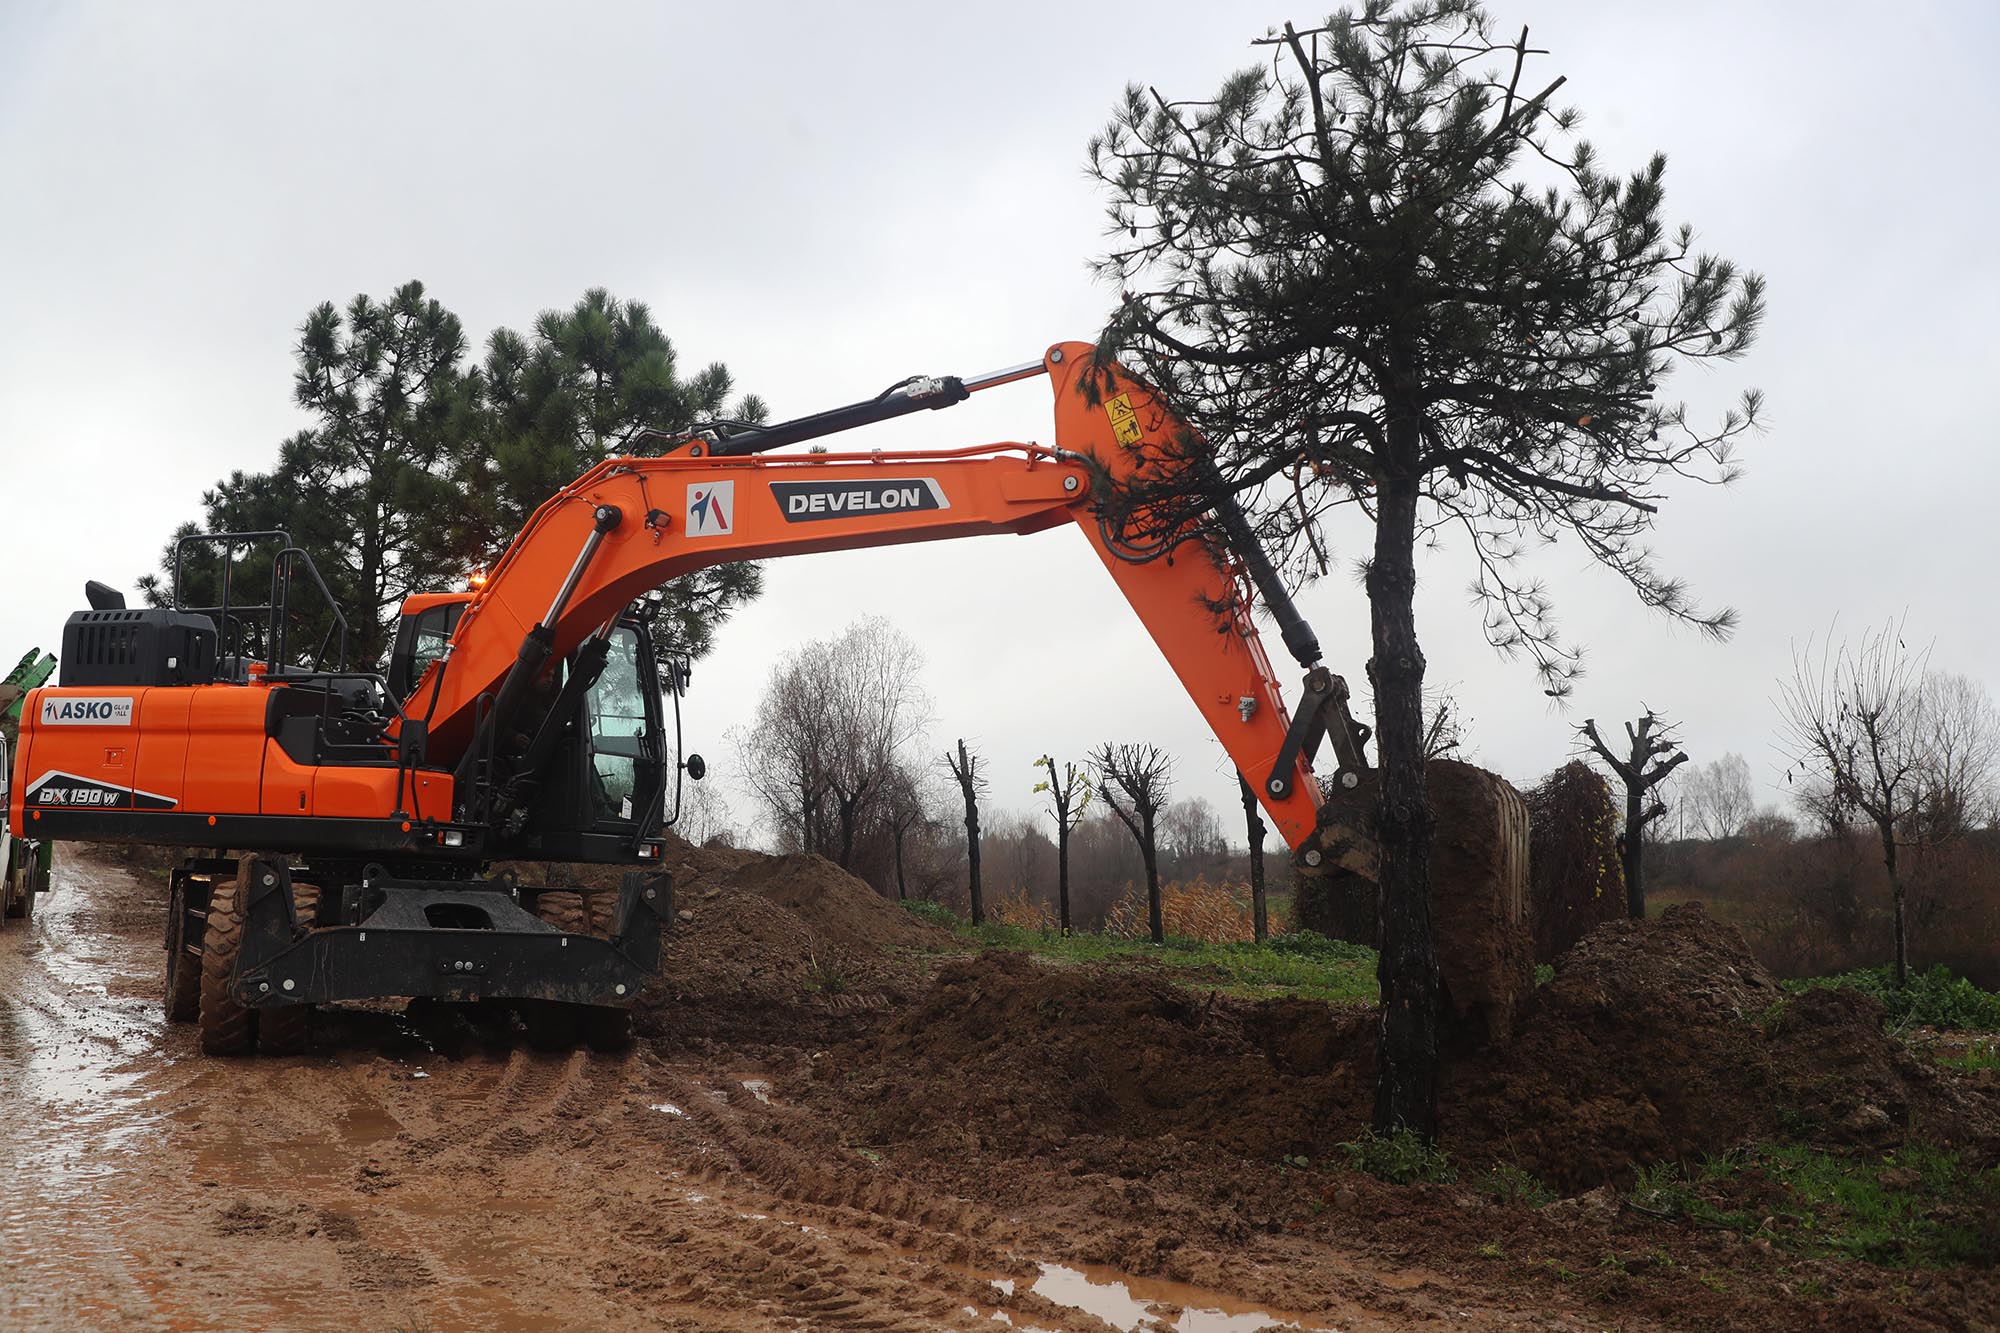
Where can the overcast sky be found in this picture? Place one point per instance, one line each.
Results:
(830, 197)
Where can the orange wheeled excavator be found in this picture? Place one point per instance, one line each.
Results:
(342, 824)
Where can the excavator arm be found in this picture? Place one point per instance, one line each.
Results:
(631, 524)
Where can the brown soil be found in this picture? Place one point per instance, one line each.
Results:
(933, 1120)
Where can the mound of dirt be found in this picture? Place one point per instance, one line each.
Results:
(1658, 1040)
(758, 938)
(1008, 1055)
(1666, 1040)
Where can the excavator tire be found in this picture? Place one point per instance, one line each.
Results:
(227, 1028)
(183, 990)
(564, 910)
(27, 883)
(600, 908)
(287, 1029)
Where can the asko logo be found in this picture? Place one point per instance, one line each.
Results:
(100, 712)
(711, 508)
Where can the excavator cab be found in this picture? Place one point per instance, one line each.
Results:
(605, 780)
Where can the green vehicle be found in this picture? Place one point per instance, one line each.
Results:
(24, 862)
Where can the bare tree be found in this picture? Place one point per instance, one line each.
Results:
(965, 768)
(1961, 757)
(1854, 718)
(784, 756)
(836, 718)
(1444, 724)
(870, 679)
(1254, 821)
(1652, 752)
(1192, 837)
(1069, 796)
(704, 816)
(1721, 797)
(1139, 776)
(904, 809)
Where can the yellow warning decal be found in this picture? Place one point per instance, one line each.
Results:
(1124, 421)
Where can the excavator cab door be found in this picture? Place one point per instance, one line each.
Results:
(604, 786)
(621, 734)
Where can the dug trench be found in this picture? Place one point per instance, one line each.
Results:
(839, 1117)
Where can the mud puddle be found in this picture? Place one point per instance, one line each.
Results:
(1135, 1303)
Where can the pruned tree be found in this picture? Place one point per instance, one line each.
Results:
(1133, 781)
(1853, 720)
(964, 769)
(1253, 820)
(1069, 794)
(1721, 796)
(1651, 753)
(1380, 272)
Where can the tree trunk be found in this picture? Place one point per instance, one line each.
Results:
(1406, 1090)
(1260, 923)
(1632, 844)
(1155, 923)
(902, 892)
(1888, 831)
(972, 857)
(849, 810)
(1062, 873)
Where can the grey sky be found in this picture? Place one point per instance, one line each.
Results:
(829, 198)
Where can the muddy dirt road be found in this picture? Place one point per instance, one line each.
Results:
(734, 1172)
(386, 1183)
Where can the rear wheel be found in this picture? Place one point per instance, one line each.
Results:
(227, 1028)
(287, 1029)
(183, 990)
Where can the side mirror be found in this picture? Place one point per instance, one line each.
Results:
(696, 767)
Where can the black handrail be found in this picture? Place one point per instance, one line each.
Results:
(278, 608)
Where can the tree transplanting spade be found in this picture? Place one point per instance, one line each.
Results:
(344, 823)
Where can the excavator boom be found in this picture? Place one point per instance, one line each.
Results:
(631, 524)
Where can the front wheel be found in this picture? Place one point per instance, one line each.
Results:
(227, 1028)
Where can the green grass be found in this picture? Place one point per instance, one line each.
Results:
(1294, 964)
(1980, 1053)
(1400, 1158)
(1936, 998)
(1919, 1207)
(1508, 1183)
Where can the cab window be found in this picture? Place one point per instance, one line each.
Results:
(617, 717)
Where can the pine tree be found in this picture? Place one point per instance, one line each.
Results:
(1380, 272)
